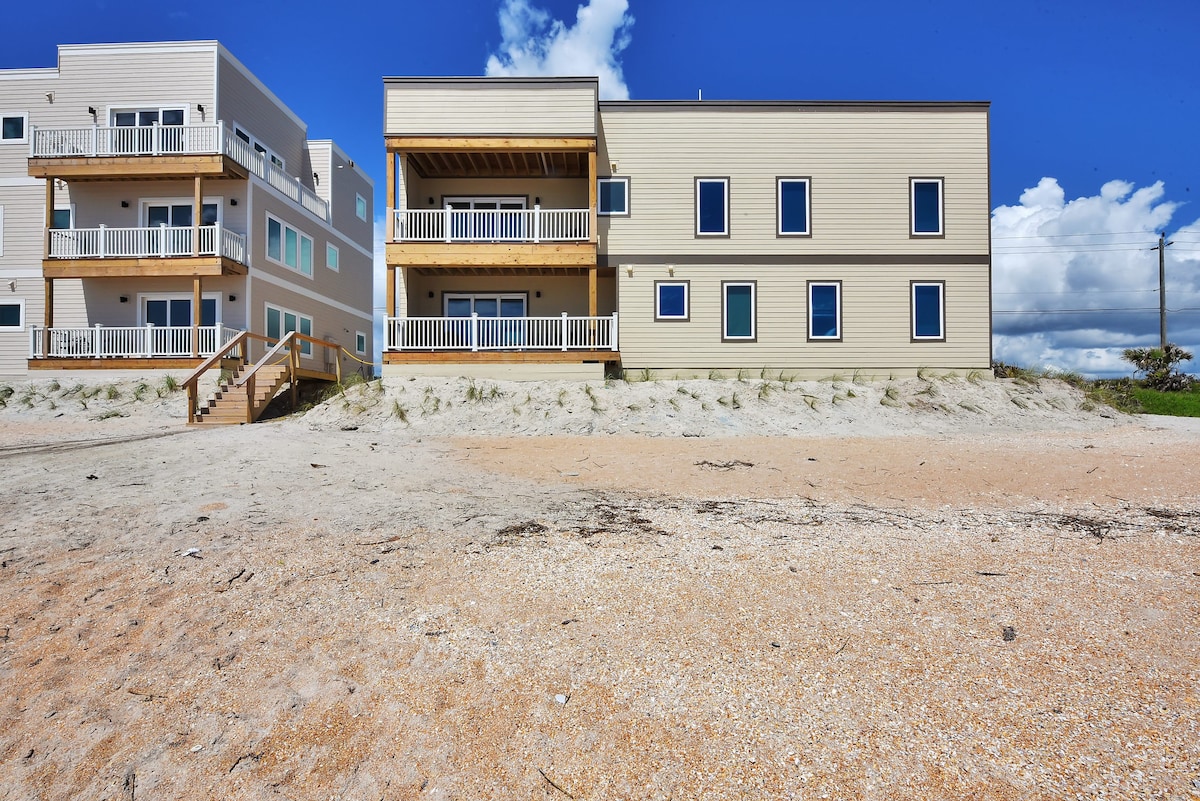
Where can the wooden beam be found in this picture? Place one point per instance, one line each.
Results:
(391, 195)
(196, 207)
(196, 299)
(182, 267)
(500, 357)
(472, 254)
(592, 292)
(592, 189)
(136, 167)
(391, 291)
(447, 143)
(47, 315)
(182, 363)
(49, 218)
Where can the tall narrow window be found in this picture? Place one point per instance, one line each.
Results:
(926, 206)
(825, 310)
(712, 207)
(360, 206)
(612, 197)
(289, 247)
(738, 310)
(793, 206)
(281, 321)
(928, 311)
(332, 257)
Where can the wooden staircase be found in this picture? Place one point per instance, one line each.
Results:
(228, 406)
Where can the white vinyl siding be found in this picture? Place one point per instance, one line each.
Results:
(14, 128)
(473, 108)
(712, 207)
(12, 314)
(612, 197)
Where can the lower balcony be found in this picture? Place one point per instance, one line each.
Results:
(492, 237)
(125, 347)
(208, 250)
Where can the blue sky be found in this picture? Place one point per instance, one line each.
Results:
(1095, 109)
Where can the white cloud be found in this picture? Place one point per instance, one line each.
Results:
(1076, 282)
(535, 45)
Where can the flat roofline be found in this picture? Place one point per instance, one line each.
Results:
(321, 144)
(777, 105)
(480, 80)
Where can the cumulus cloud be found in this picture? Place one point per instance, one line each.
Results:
(1075, 282)
(533, 44)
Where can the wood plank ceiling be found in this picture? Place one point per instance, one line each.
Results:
(500, 164)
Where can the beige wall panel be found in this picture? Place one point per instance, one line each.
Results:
(564, 109)
(875, 319)
(328, 322)
(24, 224)
(859, 162)
(243, 103)
(556, 193)
(345, 184)
(99, 203)
(559, 294)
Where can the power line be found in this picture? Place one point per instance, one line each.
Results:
(1093, 233)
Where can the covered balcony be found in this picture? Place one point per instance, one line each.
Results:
(205, 250)
(129, 347)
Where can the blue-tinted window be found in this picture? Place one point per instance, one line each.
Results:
(672, 301)
(711, 206)
(927, 207)
(927, 311)
(10, 315)
(793, 206)
(739, 311)
(824, 312)
(12, 128)
(613, 196)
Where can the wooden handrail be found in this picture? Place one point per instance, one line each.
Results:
(191, 383)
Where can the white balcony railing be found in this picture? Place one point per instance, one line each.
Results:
(492, 225)
(477, 333)
(122, 342)
(172, 140)
(139, 243)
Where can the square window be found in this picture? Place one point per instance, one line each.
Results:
(671, 300)
(793, 206)
(926, 206)
(12, 127)
(331, 257)
(360, 343)
(825, 310)
(738, 311)
(12, 315)
(612, 197)
(360, 207)
(928, 311)
(63, 218)
(712, 207)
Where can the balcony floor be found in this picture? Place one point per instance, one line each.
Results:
(173, 267)
(137, 168)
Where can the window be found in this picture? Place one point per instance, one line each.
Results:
(671, 300)
(793, 205)
(825, 310)
(737, 310)
(63, 217)
(926, 206)
(360, 343)
(14, 127)
(331, 257)
(712, 207)
(177, 212)
(289, 247)
(12, 315)
(281, 321)
(928, 312)
(360, 206)
(259, 147)
(612, 197)
(144, 117)
(161, 309)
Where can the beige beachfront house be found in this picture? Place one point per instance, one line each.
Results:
(535, 230)
(156, 199)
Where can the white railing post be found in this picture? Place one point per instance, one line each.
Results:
(613, 332)
(564, 330)
(149, 340)
(474, 331)
(537, 223)
(220, 138)
(162, 240)
(102, 245)
(447, 219)
(95, 140)
(218, 241)
(97, 349)
(155, 138)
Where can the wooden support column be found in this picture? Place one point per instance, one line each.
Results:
(48, 315)
(592, 189)
(197, 206)
(391, 291)
(592, 271)
(391, 195)
(196, 315)
(49, 218)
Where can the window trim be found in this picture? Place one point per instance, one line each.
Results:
(753, 311)
(913, 233)
(612, 179)
(363, 336)
(306, 348)
(269, 155)
(20, 304)
(337, 257)
(281, 261)
(207, 200)
(142, 297)
(24, 115)
(808, 291)
(807, 232)
(659, 317)
(360, 200)
(724, 234)
(912, 313)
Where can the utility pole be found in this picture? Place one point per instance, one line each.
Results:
(1162, 288)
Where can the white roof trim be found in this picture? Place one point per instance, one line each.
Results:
(250, 76)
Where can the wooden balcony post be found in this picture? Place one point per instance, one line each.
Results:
(391, 196)
(48, 315)
(49, 215)
(592, 273)
(592, 201)
(196, 317)
(196, 220)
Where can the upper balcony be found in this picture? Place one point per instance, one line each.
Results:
(458, 237)
(137, 152)
(162, 251)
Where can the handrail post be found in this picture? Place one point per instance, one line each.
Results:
(537, 223)
(474, 331)
(162, 240)
(250, 397)
(103, 240)
(447, 223)
(96, 345)
(155, 138)
(613, 332)
(564, 330)
(293, 365)
(95, 140)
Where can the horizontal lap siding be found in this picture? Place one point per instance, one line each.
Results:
(115, 80)
(99, 203)
(329, 323)
(556, 193)
(875, 318)
(448, 110)
(243, 103)
(24, 227)
(859, 163)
